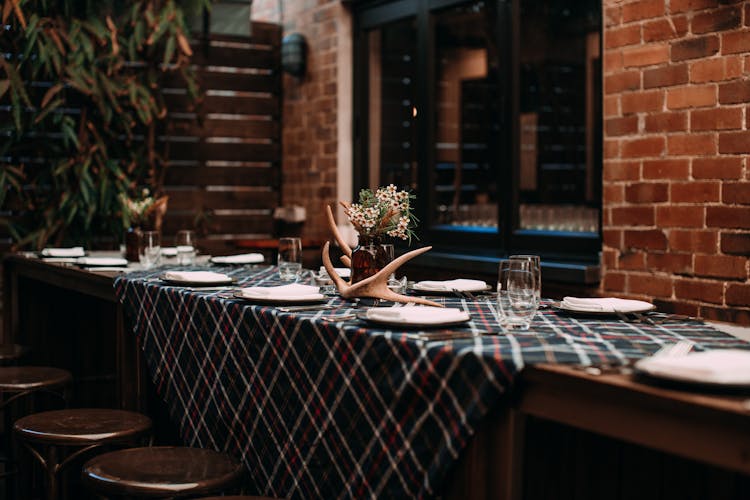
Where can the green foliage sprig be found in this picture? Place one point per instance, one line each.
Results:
(80, 91)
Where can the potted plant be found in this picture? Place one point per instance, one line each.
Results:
(83, 81)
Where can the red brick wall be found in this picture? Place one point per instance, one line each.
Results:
(309, 158)
(676, 143)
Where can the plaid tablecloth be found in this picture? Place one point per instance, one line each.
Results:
(340, 409)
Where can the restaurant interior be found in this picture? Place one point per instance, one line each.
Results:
(458, 249)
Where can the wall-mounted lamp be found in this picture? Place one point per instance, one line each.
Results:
(294, 54)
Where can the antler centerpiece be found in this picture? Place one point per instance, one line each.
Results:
(375, 286)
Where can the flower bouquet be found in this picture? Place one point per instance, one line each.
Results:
(383, 213)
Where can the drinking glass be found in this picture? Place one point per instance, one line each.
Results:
(536, 268)
(516, 295)
(185, 241)
(290, 258)
(149, 249)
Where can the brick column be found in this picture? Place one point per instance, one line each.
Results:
(676, 185)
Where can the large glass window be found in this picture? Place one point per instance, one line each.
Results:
(490, 112)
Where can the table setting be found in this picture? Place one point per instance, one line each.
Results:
(339, 338)
(366, 391)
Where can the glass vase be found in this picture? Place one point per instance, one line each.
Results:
(369, 257)
(132, 241)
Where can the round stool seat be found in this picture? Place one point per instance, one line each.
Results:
(81, 426)
(12, 352)
(162, 471)
(26, 378)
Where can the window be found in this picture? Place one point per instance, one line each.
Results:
(490, 111)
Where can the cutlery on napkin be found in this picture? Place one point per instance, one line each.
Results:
(245, 258)
(294, 291)
(417, 314)
(606, 304)
(197, 276)
(461, 285)
(63, 252)
(720, 366)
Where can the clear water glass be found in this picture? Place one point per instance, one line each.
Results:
(290, 258)
(535, 265)
(186, 242)
(516, 294)
(149, 249)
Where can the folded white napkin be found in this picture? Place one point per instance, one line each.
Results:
(245, 258)
(197, 277)
(102, 261)
(63, 252)
(462, 285)
(295, 291)
(607, 304)
(424, 315)
(720, 366)
(344, 272)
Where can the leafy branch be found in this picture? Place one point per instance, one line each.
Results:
(81, 108)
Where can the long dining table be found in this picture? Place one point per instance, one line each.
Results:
(323, 404)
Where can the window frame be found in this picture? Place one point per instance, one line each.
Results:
(509, 238)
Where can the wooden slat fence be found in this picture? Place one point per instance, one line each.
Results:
(225, 155)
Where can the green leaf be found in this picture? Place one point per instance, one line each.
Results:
(48, 109)
(169, 50)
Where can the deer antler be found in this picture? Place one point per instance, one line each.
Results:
(376, 286)
(346, 259)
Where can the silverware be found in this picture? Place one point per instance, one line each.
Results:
(447, 335)
(315, 307)
(463, 294)
(338, 317)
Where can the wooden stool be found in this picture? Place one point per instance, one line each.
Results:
(17, 382)
(44, 434)
(11, 353)
(20, 381)
(162, 472)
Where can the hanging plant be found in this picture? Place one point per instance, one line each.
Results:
(80, 88)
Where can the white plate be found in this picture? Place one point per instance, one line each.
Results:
(436, 291)
(412, 324)
(169, 251)
(237, 260)
(196, 284)
(101, 261)
(584, 312)
(280, 300)
(736, 367)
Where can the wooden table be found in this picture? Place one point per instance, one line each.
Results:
(70, 318)
(560, 428)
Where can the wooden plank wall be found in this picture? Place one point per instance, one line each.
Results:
(224, 176)
(225, 154)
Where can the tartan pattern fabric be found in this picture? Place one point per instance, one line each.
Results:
(325, 409)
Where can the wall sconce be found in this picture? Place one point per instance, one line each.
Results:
(294, 54)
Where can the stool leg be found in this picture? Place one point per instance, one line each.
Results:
(50, 470)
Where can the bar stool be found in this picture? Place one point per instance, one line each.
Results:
(162, 472)
(18, 382)
(47, 434)
(11, 353)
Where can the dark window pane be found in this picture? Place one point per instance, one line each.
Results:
(392, 142)
(466, 115)
(560, 173)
